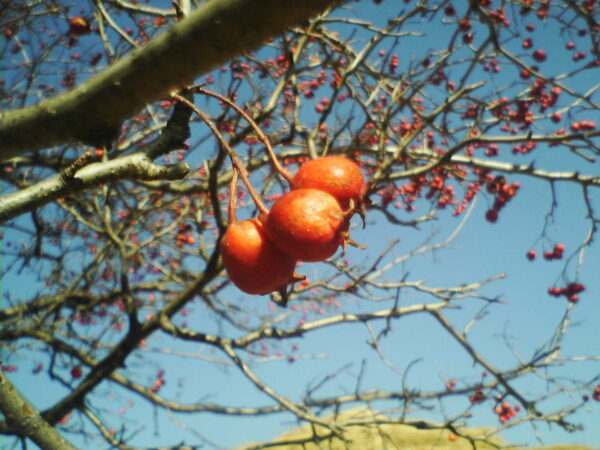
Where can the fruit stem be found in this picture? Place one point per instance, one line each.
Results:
(243, 173)
(232, 197)
(262, 136)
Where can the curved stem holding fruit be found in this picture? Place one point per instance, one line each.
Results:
(232, 197)
(259, 133)
(237, 164)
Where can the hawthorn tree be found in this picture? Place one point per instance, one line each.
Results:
(121, 123)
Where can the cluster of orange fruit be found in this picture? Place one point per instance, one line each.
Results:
(308, 223)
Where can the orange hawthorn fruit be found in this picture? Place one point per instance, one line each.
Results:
(254, 264)
(307, 224)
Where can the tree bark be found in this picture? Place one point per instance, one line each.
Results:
(26, 420)
(93, 112)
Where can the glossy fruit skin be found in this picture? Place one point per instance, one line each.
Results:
(336, 175)
(253, 263)
(306, 224)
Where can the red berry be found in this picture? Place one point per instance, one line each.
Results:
(449, 10)
(558, 251)
(253, 263)
(76, 372)
(306, 224)
(531, 255)
(79, 25)
(554, 291)
(336, 175)
(478, 396)
(539, 55)
(491, 216)
(575, 288)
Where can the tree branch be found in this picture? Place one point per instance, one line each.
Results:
(136, 166)
(26, 420)
(213, 34)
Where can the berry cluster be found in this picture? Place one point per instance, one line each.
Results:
(571, 291)
(436, 189)
(506, 412)
(556, 253)
(583, 125)
(159, 382)
(477, 397)
(308, 223)
(184, 236)
(549, 255)
(503, 191)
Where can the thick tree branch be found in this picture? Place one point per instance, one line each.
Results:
(93, 112)
(26, 420)
(136, 166)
